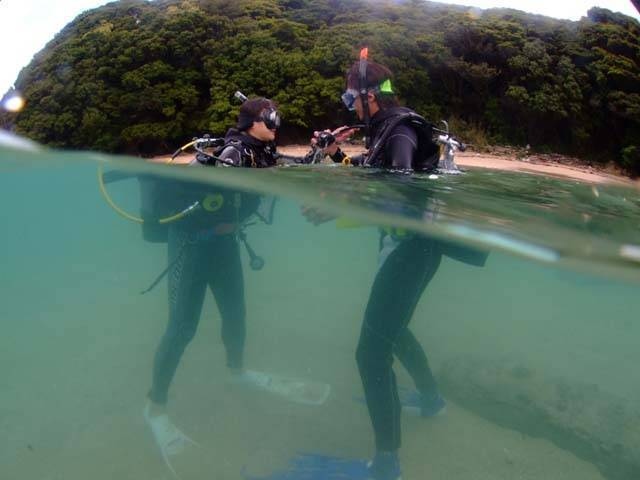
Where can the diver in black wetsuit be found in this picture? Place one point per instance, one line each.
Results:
(203, 252)
(397, 139)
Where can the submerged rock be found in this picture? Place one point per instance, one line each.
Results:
(582, 418)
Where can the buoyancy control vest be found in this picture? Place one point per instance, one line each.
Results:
(428, 154)
(162, 197)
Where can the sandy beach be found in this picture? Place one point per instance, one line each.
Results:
(553, 165)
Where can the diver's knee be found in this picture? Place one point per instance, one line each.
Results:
(373, 356)
(180, 336)
(366, 356)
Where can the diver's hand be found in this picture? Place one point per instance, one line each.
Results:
(315, 216)
(328, 140)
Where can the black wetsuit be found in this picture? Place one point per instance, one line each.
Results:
(246, 151)
(407, 263)
(401, 144)
(397, 145)
(203, 251)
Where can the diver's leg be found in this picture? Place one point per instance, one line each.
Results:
(187, 285)
(227, 285)
(426, 255)
(414, 360)
(386, 317)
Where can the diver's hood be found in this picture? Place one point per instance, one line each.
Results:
(235, 135)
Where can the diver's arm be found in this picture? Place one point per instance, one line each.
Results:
(401, 147)
(326, 143)
(341, 157)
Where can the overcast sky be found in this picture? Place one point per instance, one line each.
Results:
(27, 25)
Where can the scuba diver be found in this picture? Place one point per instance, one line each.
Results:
(397, 138)
(203, 251)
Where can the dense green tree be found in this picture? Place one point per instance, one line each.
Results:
(143, 77)
(613, 53)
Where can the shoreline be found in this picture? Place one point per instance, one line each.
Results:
(550, 165)
(543, 167)
(536, 164)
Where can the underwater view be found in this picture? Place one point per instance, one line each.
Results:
(320, 240)
(525, 311)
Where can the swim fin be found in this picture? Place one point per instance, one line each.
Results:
(169, 439)
(296, 390)
(311, 466)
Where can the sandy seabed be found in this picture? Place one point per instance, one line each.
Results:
(78, 416)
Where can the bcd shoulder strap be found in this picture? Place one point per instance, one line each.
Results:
(428, 150)
(247, 155)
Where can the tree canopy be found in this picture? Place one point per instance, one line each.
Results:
(143, 77)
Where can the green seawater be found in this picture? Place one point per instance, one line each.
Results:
(536, 352)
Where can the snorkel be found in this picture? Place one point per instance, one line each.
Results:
(241, 97)
(362, 87)
(326, 138)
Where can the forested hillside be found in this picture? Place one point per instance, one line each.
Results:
(142, 77)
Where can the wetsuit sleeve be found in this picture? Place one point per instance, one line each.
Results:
(232, 156)
(341, 157)
(401, 147)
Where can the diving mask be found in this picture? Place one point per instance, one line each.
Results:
(271, 118)
(350, 95)
(349, 98)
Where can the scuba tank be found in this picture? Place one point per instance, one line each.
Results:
(152, 192)
(158, 206)
(157, 203)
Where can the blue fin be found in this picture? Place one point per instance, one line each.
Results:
(412, 401)
(311, 466)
